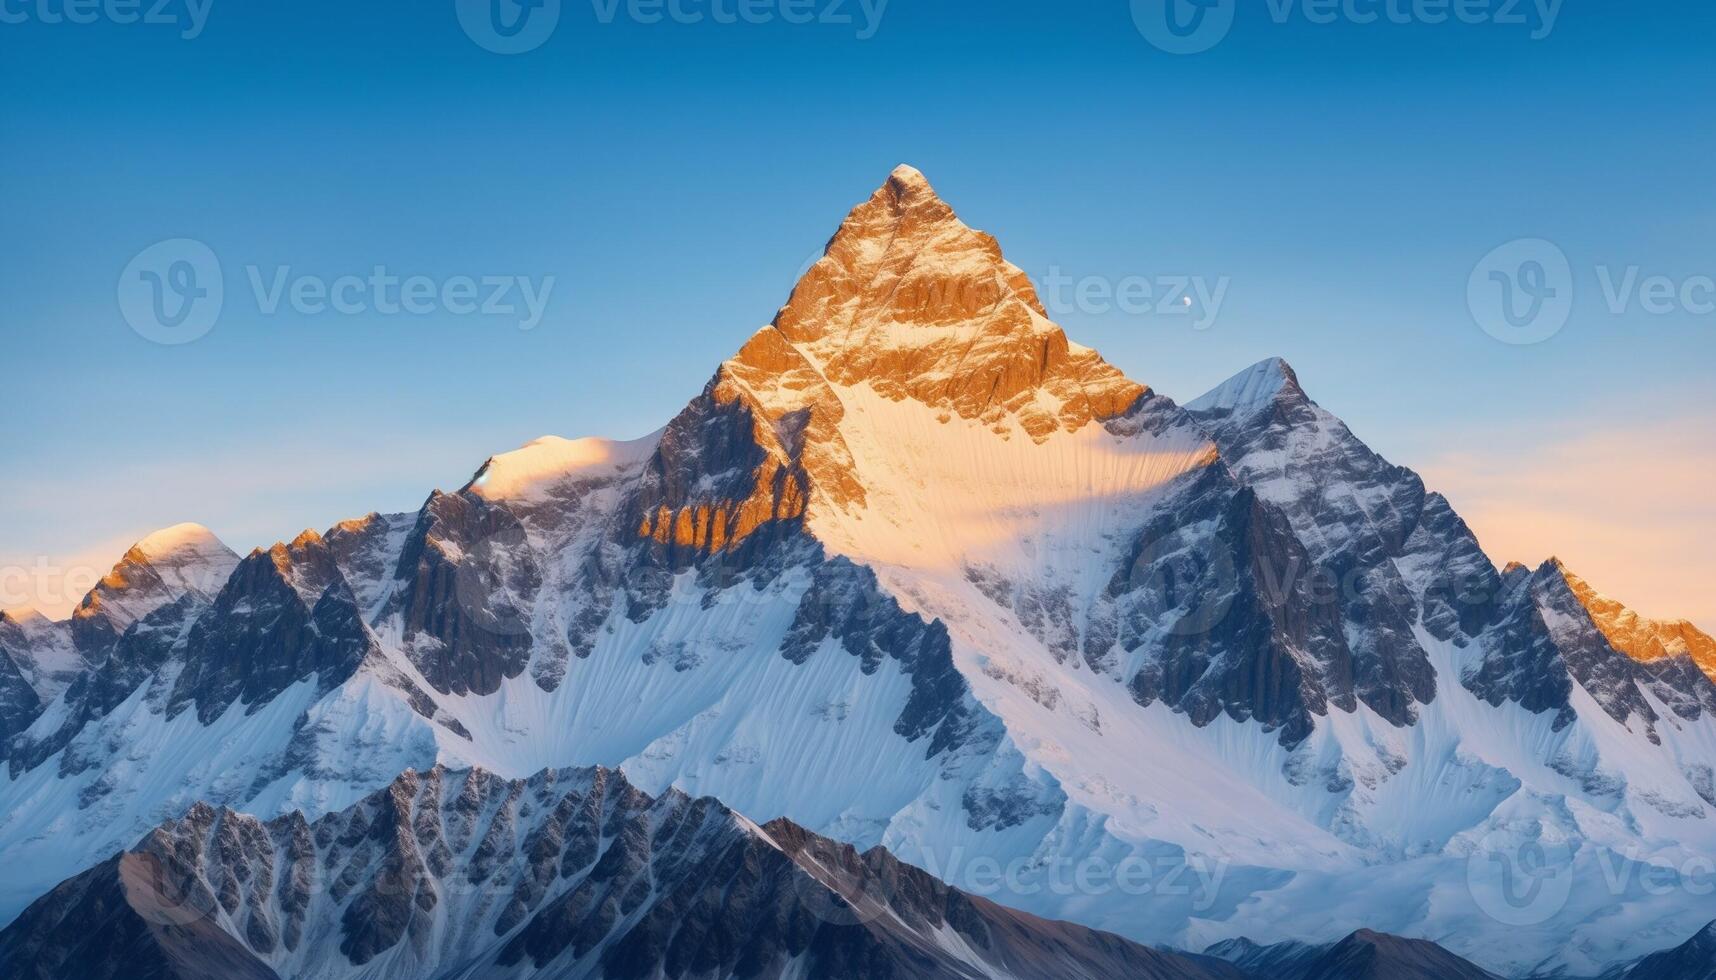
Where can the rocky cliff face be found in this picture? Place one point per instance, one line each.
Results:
(910, 300)
(743, 458)
(911, 570)
(286, 615)
(1364, 955)
(19, 701)
(185, 559)
(466, 578)
(1550, 642)
(119, 637)
(1694, 959)
(114, 922)
(569, 873)
(1214, 629)
(41, 652)
(1648, 641)
(1355, 514)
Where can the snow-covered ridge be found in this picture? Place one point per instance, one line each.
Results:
(1645, 640)
(156, 571)
(551, 459)
(42, 648)
(187, 537)
(1248, 390)
(916, 570)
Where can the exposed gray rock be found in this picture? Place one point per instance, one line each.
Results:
(1215, 629)
(1694, 959)
(468, 583)
(285, 615)
(569, 873)
(367, 551)
(1546, 642)
(134, 659)
(1355, 514)
(125, 920)
(19, 702)
(1364, 955)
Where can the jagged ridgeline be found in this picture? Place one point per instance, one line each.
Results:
(914, 570)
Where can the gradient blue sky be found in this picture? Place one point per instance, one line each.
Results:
(674, 178)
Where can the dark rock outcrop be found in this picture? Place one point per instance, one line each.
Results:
(1694, 959)
(571, 872)
(285, 615)
(1356, 515)
(126, 919)
(1547, 642)
(19, 702)
(1364, 955)
(468, 582)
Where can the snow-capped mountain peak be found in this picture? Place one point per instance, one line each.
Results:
(186, 538)
(37, 662)
(914, 570)
(910, 301)
(538, 466)
(154, 572)
(21, 615)
(1251, 390)
(44, 638)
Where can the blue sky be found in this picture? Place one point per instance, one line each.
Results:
(1342, 179)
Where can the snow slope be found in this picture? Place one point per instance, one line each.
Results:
(916, 570)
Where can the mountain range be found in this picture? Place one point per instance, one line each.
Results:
(1033, 670)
